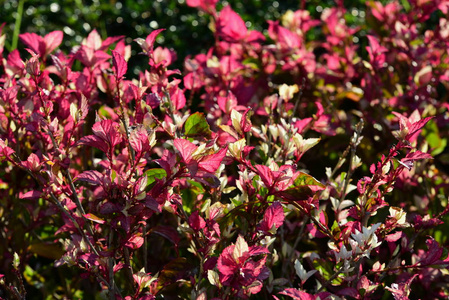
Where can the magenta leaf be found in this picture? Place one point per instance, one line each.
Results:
(266, 175)
(273, 217)
(91, 176)
(34, 42)
(417, 155)
(108, 131)
(230, 25)
(226, 263)
(297, 294)
(119, 65)
(433, 254)
(94, 141)
(402, 290)
(196, 222)
(138, 139)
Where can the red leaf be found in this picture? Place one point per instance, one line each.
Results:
(211, 162)
(168, 233)
(119, 65)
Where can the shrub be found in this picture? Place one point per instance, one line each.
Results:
(273, 165)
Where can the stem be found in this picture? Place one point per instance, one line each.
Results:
(354, 143)
(128, 270)
(145, 247)
(298, 99)
(15, 37)
(111, 268)
(328, 282)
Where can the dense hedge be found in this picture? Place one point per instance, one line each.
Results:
(303, 157)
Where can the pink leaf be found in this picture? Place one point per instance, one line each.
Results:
(31, 195)
(148, 44)
(185, 148)
(14, 61)
(135, 242)
(119, 65)
(178, 98)
(52, 41)
(206, 5)
(109, 41)
(94, 218)
(285, 38)
(93, 40)
(257, 250)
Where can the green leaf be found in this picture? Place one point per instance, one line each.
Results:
(154, 174)
(432, 135)
(303, 187)
(173, 271)
(306, 179)
(196, 125)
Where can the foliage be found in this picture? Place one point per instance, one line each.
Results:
(307, 162)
